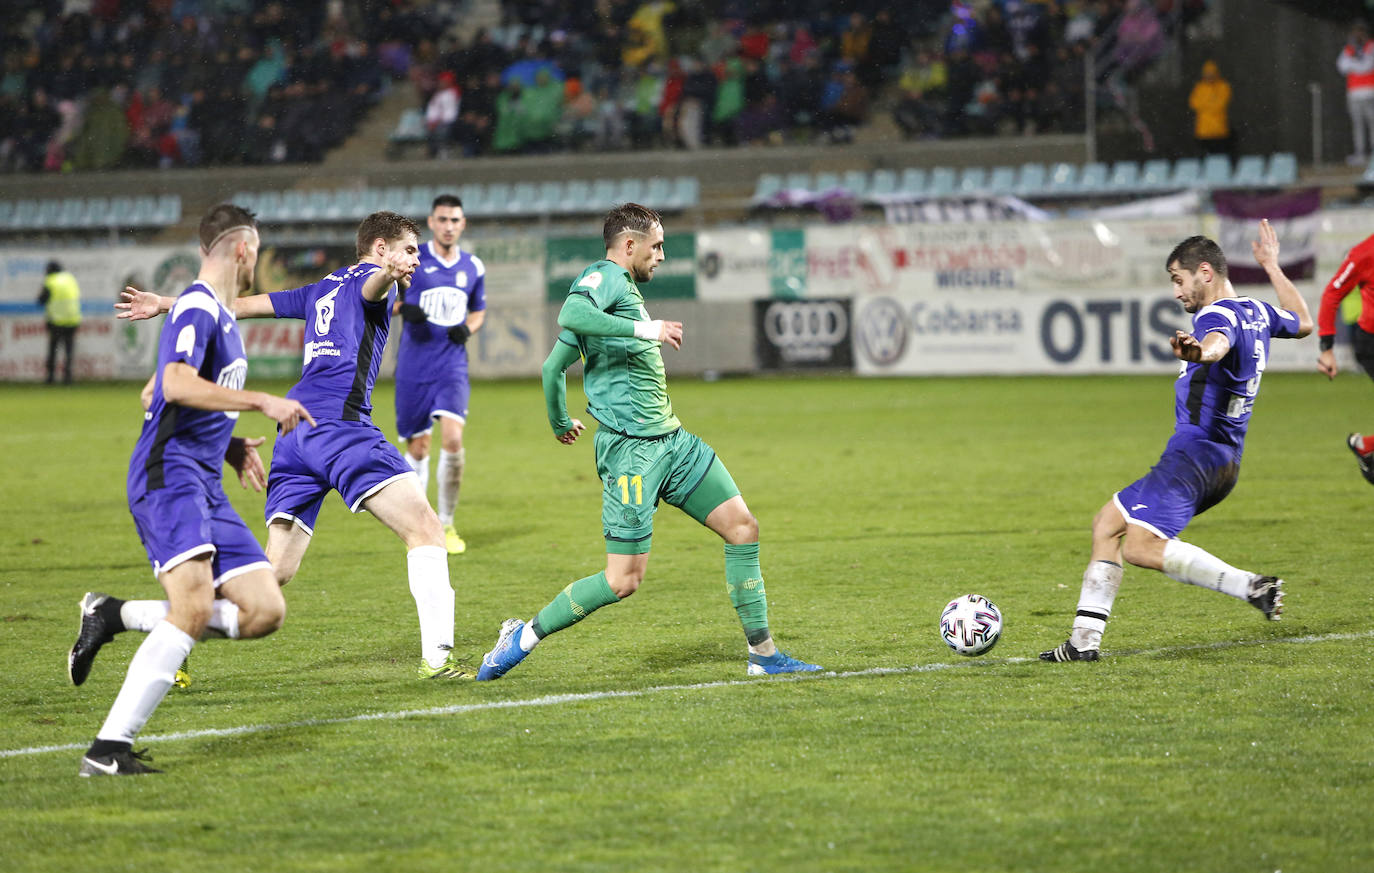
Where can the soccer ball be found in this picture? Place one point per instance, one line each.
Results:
(970, 625)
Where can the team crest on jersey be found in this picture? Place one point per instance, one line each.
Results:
(445, 306)
(591, 280)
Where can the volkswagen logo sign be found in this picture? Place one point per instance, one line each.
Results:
(882, 331)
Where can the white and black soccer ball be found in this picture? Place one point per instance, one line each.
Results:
(970, 625)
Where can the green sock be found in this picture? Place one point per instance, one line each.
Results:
(744, 583)
(574, 603)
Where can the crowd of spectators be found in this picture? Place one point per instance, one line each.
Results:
(687, 73)
(92, 84)
(96, 84)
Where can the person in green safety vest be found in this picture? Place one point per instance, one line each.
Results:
(61, 302)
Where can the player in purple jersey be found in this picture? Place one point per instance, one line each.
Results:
(348, 316)
(214, 572)
(444, 306)
(1214, 396)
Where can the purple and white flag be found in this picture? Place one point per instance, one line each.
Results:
(1296, 218)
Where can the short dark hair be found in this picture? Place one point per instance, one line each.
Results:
(1196, 250)
(221, 218)
(628, 218)
(54, 267)
(383, 225)
(446, 200)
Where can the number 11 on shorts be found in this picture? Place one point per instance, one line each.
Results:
(625, 482)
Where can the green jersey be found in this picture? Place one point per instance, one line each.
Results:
(623, 377)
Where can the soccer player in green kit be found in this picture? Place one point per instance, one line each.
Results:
(643, 455)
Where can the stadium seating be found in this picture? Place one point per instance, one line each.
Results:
(1061, 180)
(84, 214)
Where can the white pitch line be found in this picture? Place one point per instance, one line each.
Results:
(556, 699)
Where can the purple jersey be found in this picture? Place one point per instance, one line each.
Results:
(179, 442)
(1213, 401)
(344, 338)
(447, 291)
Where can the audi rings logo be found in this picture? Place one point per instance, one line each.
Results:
(882, 331)
(809, 323)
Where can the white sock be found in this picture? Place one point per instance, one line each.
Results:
(421, 468)
(528, 638)
(1187, 563)
(144, 615)
(1100, 583)
(450, 480)
(150, 675)
(434, 599)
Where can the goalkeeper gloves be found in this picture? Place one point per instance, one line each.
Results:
(413, 314)
(459, 334)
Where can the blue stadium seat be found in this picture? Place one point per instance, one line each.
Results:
(46, 217)
(98, 212)
(1125, 177)
(394, 198)
(973, 180)
(913, 182)
(420, 199)
(345, 205)
(410, 127)
(1249, 172)
(630, 191)
(144, 212)
(942, 182)
(1283, 169)
(268, 206)
(1187, 173)
(72, 213)
(1216, 171)
(318, 205)
(855, 182)
(497, 202)
(883, 182)
(550, 195)
(294, 208)
(602, 196)
(767, 185)
(370, 202)
(1093, 179)
(1031, 180)
(658, 192)
(247, 199)
(577, 195)
(797, 182)
(686, 192)
(1063, 179)
(523, 199)
(25, 215)
(1002, 181)
(825, 182)
(1154, 175)
(6, 213)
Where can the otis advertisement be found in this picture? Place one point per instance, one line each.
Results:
(792, 334)
(1032, 332)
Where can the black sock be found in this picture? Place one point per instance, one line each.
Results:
(109, 611)
(100, 748)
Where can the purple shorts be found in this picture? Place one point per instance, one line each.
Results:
(417, 403)
(190, 518)
(351, 457)
(1191, 477)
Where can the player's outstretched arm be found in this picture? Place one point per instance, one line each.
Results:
(136, 305)
(182, 385)
(581, 316)
(254, 306)
(563, 356)
(398, 267)
(1266, 250)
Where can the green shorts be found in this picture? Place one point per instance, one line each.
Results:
(636, 473)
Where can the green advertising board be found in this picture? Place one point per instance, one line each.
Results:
(675, 278)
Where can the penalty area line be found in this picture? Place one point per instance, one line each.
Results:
(591, 696)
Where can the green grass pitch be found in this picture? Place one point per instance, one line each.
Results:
(1207, 739)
